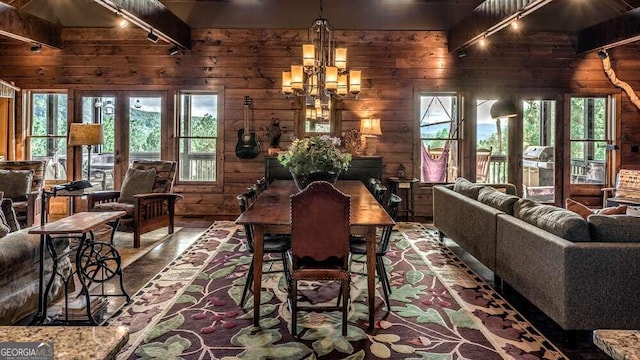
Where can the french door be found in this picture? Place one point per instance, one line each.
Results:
(132, 126)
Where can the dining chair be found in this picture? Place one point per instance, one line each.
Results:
(358, 246)
(261, 184)
(380, 193)
(320, 218)
(272, 243)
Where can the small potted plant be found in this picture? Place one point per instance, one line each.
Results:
(314, 158)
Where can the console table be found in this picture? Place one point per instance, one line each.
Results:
(361, 168)
(95, 261)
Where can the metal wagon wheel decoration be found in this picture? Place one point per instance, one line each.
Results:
(99, 261)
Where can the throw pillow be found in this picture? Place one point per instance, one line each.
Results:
(137, 182)
(15, 184)
(10, 214)
(585, 211)
(578, 208)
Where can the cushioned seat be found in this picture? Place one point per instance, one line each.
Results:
(146, 197)
(22, 182)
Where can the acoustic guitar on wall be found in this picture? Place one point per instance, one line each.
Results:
(247, 146)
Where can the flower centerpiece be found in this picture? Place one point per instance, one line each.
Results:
(314, 158)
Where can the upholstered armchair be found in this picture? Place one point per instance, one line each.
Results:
(145, 195)
(22, 181)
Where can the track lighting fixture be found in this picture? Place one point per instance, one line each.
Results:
(174, 50)
(152, 37)
(461, 53)
(36, 48)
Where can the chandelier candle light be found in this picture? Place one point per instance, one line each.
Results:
(323, 73)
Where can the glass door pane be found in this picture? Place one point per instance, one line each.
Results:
(100, 110)
(588, 138)
(538, 145)
(492, 145)
(145, 114)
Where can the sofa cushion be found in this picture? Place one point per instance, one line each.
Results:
(614, 228)
(558, 221)
(10, 214)
(585, 211)
(4, 226)
(137, 182)
(467, 188)
(15, 184)
(497, 199)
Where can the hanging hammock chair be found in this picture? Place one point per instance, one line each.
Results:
(434, 166)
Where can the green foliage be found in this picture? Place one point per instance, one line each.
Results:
(313, 154)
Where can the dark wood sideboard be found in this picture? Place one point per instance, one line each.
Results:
(361, 168)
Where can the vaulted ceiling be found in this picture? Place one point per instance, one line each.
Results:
(598, 23)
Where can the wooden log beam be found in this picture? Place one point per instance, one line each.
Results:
(151, 14)
(28, 28)
(488, 18)
(611, 33)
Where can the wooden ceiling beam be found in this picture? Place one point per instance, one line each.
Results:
(151, 14)
(488, 18)
(611, 33)
(28, 28)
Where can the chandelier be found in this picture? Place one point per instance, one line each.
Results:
(323, 73)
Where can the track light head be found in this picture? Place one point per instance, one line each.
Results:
(152, 37)
(36, 48)
(174, 50)
(461, 53)
(602, 54)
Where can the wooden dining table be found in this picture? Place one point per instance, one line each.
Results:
(270, 213)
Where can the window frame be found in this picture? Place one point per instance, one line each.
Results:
(219, 138)
(28, 96)
(457, 138)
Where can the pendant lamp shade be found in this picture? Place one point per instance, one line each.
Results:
(503, 109)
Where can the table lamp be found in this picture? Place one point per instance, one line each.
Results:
(370, 128)
(86, 134)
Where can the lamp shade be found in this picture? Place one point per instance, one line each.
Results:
(503, 109)
(370, 126)
(85, 134)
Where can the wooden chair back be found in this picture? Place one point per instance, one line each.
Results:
(483, 160)
(320, 218)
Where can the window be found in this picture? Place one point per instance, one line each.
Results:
(198, 136)
(48, 124)
(439, 137)
(588, 137)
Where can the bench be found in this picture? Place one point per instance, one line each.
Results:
(626, 192)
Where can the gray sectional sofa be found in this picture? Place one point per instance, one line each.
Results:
(583, 274)
(19, 268)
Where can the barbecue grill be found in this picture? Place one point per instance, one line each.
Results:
(538, 165)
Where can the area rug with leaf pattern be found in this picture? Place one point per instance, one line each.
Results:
(440, 309)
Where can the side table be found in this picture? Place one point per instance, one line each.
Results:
(406, 185)
(95, 261)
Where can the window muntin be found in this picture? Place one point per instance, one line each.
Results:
(48, 125)
(198, 137)
(438, 122)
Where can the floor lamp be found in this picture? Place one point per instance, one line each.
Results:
(86, 134)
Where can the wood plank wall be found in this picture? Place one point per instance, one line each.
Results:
(396, 65)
